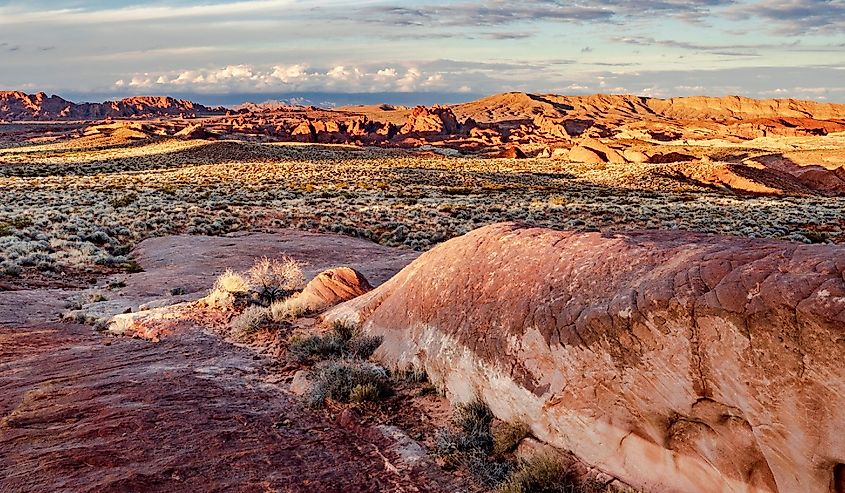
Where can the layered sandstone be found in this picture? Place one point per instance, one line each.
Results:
(672, 360)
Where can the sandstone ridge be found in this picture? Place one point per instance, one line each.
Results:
(674, 361)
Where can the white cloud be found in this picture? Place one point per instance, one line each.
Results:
(295, 77)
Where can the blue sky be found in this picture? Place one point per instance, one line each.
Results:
(211, 48)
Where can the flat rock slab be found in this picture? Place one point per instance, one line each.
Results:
(191, 264)
(80, 412)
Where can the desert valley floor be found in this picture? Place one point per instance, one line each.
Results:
(628, 308)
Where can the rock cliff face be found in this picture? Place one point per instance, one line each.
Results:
(674, 361)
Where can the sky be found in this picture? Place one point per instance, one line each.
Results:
(229, 51)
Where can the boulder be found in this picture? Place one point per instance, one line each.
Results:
(333, 286)
(580, 154)
(326, 290)
(609, 154)
(633, 156)
(300, 385)
(560, 153)
(304, 132)
(673, 361)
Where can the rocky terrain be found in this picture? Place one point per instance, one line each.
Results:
(80, 411)
(593, 294)
(72, 207)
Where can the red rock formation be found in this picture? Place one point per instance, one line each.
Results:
(436, 120)
(195, 131)
(20, 106)
(674, 361)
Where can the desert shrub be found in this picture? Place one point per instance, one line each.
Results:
(276, 279)
(364, 393)
(10, 268)
(340, 341)
(315, 347)
(470, 444)
(96, 298)
(291, 308)
(228, 286)
(338, 380)
(473, 420)
(363, 346)
(132, 267)
(545, 474)
(816, 236)
(507, 436)
(250, 321)
(344, 330)
(123, 200)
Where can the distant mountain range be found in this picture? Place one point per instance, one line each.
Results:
(16, 105)
(603, 110)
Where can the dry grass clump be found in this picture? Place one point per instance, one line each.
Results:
(231, 282)
(546, 474)
(227, 288)
(268, 282)
(473, 443)
(506, 436)
(291, 308)
(250, 321)
(470, 444)
(276, 279)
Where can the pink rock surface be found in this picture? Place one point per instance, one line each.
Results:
(671, 360)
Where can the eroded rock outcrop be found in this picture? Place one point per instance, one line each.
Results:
(434, 120)
(674, 361)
